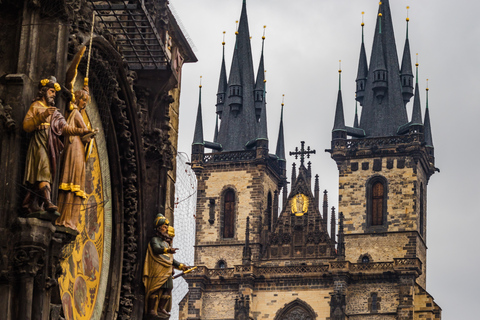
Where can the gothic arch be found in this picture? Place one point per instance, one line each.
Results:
(228, 191)
(296, 310)
(377, 201)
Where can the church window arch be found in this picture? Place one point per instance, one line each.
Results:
(377, 195)
(269, 211)
(297, 309)
(221, 264)
(228, 213)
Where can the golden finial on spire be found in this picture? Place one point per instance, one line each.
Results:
(264, 74)
(416, 64)
(408, 7)
(283, 100)
(339, 66)
(223, 42)
(200, 82)
(363, 13)
(263, 37)
(427, 85)
(236, 27)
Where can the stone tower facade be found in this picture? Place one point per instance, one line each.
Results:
(254, 263)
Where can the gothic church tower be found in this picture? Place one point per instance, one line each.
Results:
(384, 169)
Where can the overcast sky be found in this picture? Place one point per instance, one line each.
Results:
(304, 41)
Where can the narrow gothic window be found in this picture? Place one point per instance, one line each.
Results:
(365, 259)
(221, 264)
(377, 203)
(374, 302)
(229, 214)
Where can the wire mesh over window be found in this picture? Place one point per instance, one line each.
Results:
(377, 204)
(229, 214)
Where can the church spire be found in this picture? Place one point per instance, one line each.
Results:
(215, 135)
(362, 73)
(222, 83)
(417, 110)
(339, 129)
(428, 127)
(383, 109)
(239, 125)
(260, 84)
(355, 120)
(198, 135)
(280, 152)
(406, 73)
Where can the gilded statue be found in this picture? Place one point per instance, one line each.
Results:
(72, 194)
(47, 125)
(158, 270)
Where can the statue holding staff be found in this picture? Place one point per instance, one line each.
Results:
(158, 270)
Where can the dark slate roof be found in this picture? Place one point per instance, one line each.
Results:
(198, 135)
(339, 123)
(280, 152)
(261, 86)
(236, 131)
(407, 60)
(417, 108)
(362, 62)
(382, 117)
(222, 83)
(428, 127)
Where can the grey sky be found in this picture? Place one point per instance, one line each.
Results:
(304, 41)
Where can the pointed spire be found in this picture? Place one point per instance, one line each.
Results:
(280, 152)
(406, 73)
(417, 110)
(325, 207)
(428, 127)
(339, 124)
(355, 120)
(383, 109)
(260, 84)
(362, 73)
(239, 125)
(198, 135)
(215, 135)
(222, 83)
(317, 192)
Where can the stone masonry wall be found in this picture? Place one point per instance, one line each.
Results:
(359, 298)
(266, 304)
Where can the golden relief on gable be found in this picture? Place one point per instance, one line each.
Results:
(299, 204)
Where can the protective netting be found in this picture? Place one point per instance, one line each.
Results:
(184, 212)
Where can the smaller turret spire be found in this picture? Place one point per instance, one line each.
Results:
(406, 74)
(294, 173)
(428, 127)
(247, 251)
(339, 129)
(417, 110)
(341, 238)
(362, 69)
(325, 207)
(317, 192)
(222, 83)
(198, 135)
(280, 152)
(260, 84)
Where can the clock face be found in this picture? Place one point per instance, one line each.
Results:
(85, 261)
(299, 204)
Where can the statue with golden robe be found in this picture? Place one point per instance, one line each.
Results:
(158, 270)
(47, 125)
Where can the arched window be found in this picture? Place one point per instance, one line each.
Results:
(376, 201)
(365, 259)
(377, 204)
(221, 264)
(229, 214)
(269, 211)
(296, 309)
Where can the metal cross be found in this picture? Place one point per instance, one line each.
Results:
(302, 153)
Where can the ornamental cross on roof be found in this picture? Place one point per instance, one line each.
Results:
(302, 153)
